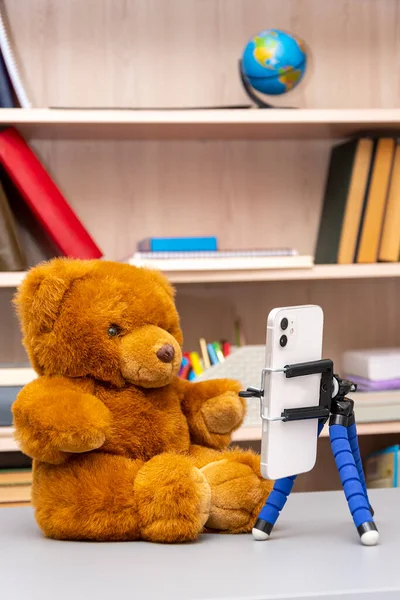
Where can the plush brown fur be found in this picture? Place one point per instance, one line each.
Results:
(123, 449)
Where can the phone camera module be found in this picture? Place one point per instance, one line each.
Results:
(283, 341)
(284, 324)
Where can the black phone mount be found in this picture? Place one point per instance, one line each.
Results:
(335, 406)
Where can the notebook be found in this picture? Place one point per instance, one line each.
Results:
(222, 261)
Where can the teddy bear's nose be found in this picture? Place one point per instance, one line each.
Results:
(166, 353)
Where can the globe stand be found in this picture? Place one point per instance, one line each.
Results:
(259, 102)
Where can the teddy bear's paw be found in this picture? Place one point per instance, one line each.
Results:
(173, 499)
(223, 413)
(237, 495)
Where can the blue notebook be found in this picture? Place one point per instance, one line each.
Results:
(178, 244)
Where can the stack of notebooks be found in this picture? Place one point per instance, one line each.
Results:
(202, 254)
(373, 369)
(32, 206)
(360, 220)
(15, 487)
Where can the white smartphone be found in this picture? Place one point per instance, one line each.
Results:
(294, 335)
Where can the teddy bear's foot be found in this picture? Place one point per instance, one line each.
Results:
(238, 491)
(89, 498)
(173, 499)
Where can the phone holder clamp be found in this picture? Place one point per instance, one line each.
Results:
(335, 406)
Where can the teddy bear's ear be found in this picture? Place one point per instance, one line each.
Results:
(40, 295)
(164, 283)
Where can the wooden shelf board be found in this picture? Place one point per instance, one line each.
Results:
(381, 270)
(67, 123)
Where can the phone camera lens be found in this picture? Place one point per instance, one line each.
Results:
(283, 340)
(284, 324)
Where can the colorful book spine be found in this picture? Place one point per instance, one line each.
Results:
(44, 198)
(204, 353)
(212, 354)
(218, 352)
(196, 363)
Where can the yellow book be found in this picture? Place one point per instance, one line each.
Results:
(355, 202)
(390, 242)
(204, 353)
(196, 363)
(376, 202)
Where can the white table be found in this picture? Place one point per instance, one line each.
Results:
(314, 552)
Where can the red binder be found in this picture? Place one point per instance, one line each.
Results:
(44, 198)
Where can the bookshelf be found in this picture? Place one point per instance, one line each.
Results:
(251, 177)
(318, 272)
(238, 124)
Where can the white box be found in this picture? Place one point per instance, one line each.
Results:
(376, 364)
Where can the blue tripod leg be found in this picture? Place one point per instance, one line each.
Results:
(275, 502)
(353, 439)
(352, 486)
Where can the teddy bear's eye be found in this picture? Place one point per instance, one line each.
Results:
(114, 330)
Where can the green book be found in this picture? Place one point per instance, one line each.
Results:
(11, 254)
(345, 196)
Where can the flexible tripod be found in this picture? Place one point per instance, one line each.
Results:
(333, 404)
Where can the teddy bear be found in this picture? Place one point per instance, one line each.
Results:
(122, 448)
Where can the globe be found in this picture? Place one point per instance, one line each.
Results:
(274, 62)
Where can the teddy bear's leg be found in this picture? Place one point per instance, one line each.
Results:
(90, 497)
(238, 492)
(173, 499)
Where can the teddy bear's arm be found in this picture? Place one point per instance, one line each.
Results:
(55, 416)
(213, 410)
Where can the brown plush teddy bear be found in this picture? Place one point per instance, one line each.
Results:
(123, 449)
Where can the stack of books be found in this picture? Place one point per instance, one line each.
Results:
(375, 369)
(202, 254)
(32, 207)
(15, 487)
(360, 220)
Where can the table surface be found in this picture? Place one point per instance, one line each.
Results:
(314, 552)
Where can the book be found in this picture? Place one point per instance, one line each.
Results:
(204, 353)
(8, 395)
(6, 94)
(196, 363)
(389, 249)
(368, 385)
(222, 263)
(212, 354)
(267, 252)
(218, 352)
(15, 477)
(345, 188)
(375, 364)
(11, 63)
(382, 468)
(36, 243)
(16, 376)
(11, 253)
(372, 221)
(15, 493)
(44, 198)
(178, 244)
